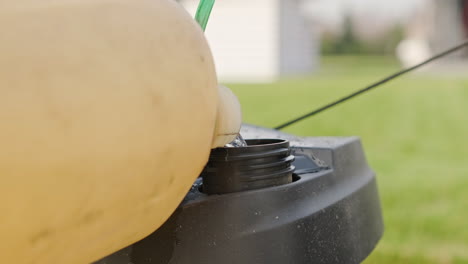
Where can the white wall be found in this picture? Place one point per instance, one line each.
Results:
(299, 43)
(243, 38)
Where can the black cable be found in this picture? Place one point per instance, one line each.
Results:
(372, 86)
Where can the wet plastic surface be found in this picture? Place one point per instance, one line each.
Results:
(262, 163)
(330, 213)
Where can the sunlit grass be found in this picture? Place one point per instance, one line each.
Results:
(414, 131)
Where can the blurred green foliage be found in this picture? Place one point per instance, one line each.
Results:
(349, 43)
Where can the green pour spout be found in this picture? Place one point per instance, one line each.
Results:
(203, 12)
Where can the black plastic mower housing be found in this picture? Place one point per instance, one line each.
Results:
(329, 213)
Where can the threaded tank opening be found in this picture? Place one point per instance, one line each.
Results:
(262, 163)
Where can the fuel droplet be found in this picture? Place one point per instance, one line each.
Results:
(237, 142)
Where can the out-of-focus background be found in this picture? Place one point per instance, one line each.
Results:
(284, 58)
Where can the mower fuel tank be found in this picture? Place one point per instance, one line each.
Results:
(329, 213)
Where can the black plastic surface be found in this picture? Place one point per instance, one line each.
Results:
(263, 163)
(329, 214)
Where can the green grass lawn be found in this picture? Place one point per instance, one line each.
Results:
(415, 134)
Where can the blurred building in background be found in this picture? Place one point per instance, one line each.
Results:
(419, 28)
(260, 40)
(263, 40)
(450, 23)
